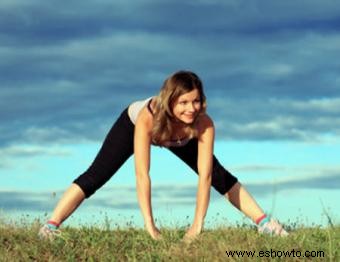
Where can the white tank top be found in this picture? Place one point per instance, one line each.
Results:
(136, 107)
(133, 112)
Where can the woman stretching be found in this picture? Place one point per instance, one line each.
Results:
(175, 119)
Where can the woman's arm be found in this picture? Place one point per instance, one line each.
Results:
(206, 134)
(142, 141)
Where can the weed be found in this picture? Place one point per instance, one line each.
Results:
(95, 243)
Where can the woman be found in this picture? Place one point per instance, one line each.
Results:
(175, 119)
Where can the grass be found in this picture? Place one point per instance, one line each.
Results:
(20, 243)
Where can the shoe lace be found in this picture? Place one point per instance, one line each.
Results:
(50, 233)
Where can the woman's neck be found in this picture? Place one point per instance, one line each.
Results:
(179, 130)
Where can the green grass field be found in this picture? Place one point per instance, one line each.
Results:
(20, 243)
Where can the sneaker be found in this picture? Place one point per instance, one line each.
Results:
(46, 233)
(272, 227)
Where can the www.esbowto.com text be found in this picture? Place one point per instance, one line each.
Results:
(276, 253)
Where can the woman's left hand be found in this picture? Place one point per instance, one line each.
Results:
(192, 233)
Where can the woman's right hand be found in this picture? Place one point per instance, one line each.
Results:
(153, 231)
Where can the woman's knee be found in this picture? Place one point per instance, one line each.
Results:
(222, 179)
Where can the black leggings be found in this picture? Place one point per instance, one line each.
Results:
(118, 147)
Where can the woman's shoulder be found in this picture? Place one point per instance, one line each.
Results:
(203, 123)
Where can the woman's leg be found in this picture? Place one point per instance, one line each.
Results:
(69, 202)
(243, 201)
(116, 149)
(226, 184)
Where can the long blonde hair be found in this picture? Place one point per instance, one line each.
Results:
(174, 86)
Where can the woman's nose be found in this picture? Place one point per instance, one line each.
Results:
(191, 107)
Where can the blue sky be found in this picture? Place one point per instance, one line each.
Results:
(270, 71)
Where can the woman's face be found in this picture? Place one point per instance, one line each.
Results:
(187, 106)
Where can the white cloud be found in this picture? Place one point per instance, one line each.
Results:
(277, 70)
(321, 105)
(31, 150)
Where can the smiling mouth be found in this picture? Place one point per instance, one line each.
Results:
(189, 116)
(187, 119)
